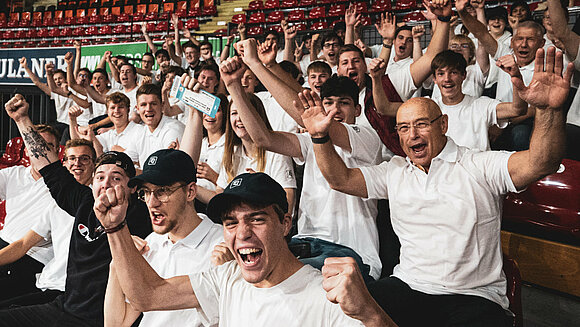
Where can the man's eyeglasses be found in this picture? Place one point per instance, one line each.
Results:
(330, 45)
(84, 159)
(459, 46)
(419, 125)
(162, 194)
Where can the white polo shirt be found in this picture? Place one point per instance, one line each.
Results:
(335, 216)
(190, 255)
(25, 200)
(297, 301)
(470, 120)
(61, 104)
(448, 221)
(211, 155)
(277, 166)
(111, 137)
(279, 119)
(55, 225)
(144, 142)
(504, 91)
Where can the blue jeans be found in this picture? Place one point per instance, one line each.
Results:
(320, 250)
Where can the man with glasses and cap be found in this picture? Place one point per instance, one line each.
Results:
(182, 241)
(265, 285)
(89, 254)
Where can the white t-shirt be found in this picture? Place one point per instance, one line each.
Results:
(335, 216)
(111, 137)
(505, 38)
(298, 301)
(473, 84)
(99, 109)
(574, 112)
(61, 104)
(400, 76)
(187, 256)
(279, 119)
(132, 95)
(83, 119)
(144, 142)
(448, 221)
(25, 200)
(277, 166)
(211, 155)
(362, 120)
(55, 225)
(470, 120)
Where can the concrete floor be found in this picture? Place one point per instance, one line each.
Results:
(546, 308)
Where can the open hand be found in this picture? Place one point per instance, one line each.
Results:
(316, 120)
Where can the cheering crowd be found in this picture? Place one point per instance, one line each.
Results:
(266, 213)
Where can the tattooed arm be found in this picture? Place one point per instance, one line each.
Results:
(39, 151)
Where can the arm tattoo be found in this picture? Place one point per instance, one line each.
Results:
(35, 144)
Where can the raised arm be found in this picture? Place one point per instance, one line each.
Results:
(70, 74)
(518, 107)
(561, 30)
(476, 27)
(73, 113)
(481, 55)
(334, 170)
(173, 50)
(289, 37)
(546, 92)
(421, 69)
(387, 27)
(231, 72)
(112, 67)
(144, 288)
(377, 69)
(38, 150)
(351, 16)
(226, 50)
(193, 133)
(77, 66)
(242, 31)
(117, 311)
(148, 39)
(33, 77)
(418, 31)
(63, 90)
(187, 34)
(314, 47)
(96, 96)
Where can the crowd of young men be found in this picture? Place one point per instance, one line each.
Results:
(121, 240)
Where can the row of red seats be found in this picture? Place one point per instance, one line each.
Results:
(93, 30)
(362, 7)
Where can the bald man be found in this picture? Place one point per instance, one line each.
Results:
(445, 203)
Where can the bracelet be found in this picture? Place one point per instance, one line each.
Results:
(116, 228)
(388, 46)
(320, 140)
(444, 19)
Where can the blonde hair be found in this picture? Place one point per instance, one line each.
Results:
(465, 39)
(230, 162)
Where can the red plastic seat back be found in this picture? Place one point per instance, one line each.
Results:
(255, 5)
(239, 18)
(255, 30)
(257, 17)
(319, 26)
(514, 289)
(271, 4)
(275, 16)
(318, 12)
(337, 10)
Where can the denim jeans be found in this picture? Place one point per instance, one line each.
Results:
(320, 250)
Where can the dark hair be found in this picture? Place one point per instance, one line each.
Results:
(132, 68)
(340, 86)
(117, 98)
(59, 71)
(319, 67)
(330, 36)
(190, 44)
(176, 69)
(208, 66)
(349, 48)
(73, 143)
(206, 43)
(497, 12)
(88, 72)
(290, 68)
(149, 89)
(102, 71)
(274, 33)
(43, 128)
(449, 58)
(339, 26)
(522, 3)
(147, 54)
(162, 52)
(403, 28)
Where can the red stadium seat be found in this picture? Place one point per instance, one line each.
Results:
(255, 5)
(153, 8)
(105, 30)
(55, 32)
(307, 3)
(151, 16)
(141, 8)
(366, 21)
(92, 30)
(162, 26)
(114, 11)
(336, 22)
(381, 6)
(209, 11)
(42, 33)
(239, 18)
(13, 154)
(275, 16)
(168, 7)
(95, 19)
(318, 12)
(2, 213)
(124, 18)
(82, 20)
(337, 10)
(21, 34)
(271, 4)
(361, 7)
(181, 5)
(79, 31)
(221, 32)
(319, 26)
(192, 24)
(109, 19)
(67, 32)
(405, 4)
(276, 28)
(255, 30)
(301, 26)
(514, 289)
(194, 12)
(257, 17)
(415, 16)
(296, 16)
(136, 28)
(128, 9)
(31, 34)
(289, 3)
(95, 11)
(119, 29)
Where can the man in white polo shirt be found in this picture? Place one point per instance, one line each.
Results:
(445, 203)
(159, 131)
(182, 242)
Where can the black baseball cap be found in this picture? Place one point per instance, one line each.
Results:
(256, 188)
(120, 159)
(165, 167)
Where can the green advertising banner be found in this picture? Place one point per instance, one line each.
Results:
(91, 54)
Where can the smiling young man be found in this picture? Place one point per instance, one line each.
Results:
(89, 255)
(450, 266)
(265, 285)
(158, 131)
(182, 242)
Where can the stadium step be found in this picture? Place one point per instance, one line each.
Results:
(226, 10)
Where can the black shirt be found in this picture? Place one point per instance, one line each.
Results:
(89, 254)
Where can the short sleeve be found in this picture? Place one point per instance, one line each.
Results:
(222, 180)
(403, 81)
(364, 142)
(42, 225)
(494, 167)
(305, 147)
(281, 170)
(376, 180)
(3, 183)
(502, 50)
